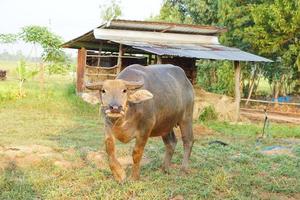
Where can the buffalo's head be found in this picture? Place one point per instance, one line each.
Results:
(115, 95)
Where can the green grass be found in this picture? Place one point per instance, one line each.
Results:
(55, 117)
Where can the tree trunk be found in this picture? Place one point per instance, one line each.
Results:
(21, 87)
(277, 88)
(276, 93)
(256, 85)
(251, 85)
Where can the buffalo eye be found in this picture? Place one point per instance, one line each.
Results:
(103, 91)
(124, 91)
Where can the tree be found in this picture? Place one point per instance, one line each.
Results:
(275, 33)
(52, 56)
(110, 10)
(266, 27)
(189, 11)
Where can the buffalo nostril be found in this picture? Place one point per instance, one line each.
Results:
(115, 108)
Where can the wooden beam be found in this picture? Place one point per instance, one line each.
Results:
(81, 61)
(237, 91)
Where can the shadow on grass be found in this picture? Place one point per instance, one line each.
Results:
(15, 185)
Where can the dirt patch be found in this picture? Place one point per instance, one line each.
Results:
(201, 130)
(258, 115)
(127, 160)
(269, 195)
(97, 158)
(25, 156)
(198, 130)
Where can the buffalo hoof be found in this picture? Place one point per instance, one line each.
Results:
(135, 177)
(165, 170)
(120, 178)
(185, 170)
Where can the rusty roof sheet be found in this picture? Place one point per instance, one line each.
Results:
(215, 52)
(163, 27)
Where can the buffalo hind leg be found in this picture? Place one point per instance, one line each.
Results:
(170, 142)
(186, 128)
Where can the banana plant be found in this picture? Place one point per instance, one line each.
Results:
(24, 74)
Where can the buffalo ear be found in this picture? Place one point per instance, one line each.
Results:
(94, 86)
(140, 96)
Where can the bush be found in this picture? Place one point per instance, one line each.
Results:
(7, 94)
(209, 113)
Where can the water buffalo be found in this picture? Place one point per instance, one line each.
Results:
(143, 102)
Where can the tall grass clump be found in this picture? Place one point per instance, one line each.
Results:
(208, 114)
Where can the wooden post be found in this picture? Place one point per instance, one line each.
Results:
(237, 91)
(119, 62)
(99, 59)
(150, 59)
(81, 62)
(194, 72)
(158, 61)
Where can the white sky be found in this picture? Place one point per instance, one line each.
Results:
(67, 18)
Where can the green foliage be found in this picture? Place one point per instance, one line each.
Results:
(275, 33)
(170, 12)
(270, 28)
(110, 10)
(24, 73)
(8, 38)
(217, 76)
(208, 114)
(8, 94)
(189, 11)
(50, 42)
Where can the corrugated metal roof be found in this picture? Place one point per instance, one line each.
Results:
(163, 27)
(163, 40)
(216, 52)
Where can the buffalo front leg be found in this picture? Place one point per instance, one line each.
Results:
(170, 142)
(115, 166)
(137, 156)
(187, 140)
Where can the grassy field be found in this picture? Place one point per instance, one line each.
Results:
(51, 147)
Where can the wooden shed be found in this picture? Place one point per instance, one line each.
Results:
(109, 48)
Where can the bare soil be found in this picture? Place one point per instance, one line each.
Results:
(258, 115)
(24, 156)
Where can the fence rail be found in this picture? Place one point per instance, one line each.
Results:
(271, 102)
